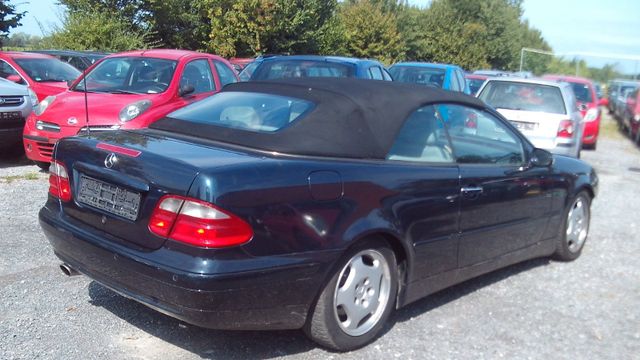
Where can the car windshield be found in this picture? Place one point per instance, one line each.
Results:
(523, 96)
(245, 110)
(475, 85)
(582, 92)
(418, 75)
(284, 69)
(48, 70)
(129, 75)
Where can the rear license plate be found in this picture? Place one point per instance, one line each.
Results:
(110, 198)
(524, 125)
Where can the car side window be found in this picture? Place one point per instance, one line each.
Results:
(197, 73)
(478, 137)
(386, 75)
(6, 70)
(455, 84)
(226, 75)
(422, 138)
(375, 73)
(461, 80)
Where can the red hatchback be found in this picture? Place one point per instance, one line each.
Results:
(124, 91)
(588, 104)
(45, 74)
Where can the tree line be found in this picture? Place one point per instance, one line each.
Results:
(478, 34)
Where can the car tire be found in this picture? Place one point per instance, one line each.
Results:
(343, 325)
(44, 166)
(575, 228)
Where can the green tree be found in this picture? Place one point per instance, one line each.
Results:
(370, 32)
(250, 27)
(168, 23)
(9, 19)
(95, 31)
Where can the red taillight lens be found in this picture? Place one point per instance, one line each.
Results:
(59, 185)
(198, 223)
(565, 129)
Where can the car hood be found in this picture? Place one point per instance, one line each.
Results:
(44, 89)
(104, 109)
(8, 88)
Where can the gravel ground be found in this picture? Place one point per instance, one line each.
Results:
(540, 309)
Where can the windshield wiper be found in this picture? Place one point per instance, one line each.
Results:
(123, 92)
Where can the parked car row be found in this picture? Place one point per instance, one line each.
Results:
(624, 104)
(133, 89)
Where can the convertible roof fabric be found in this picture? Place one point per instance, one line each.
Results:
(352, 118)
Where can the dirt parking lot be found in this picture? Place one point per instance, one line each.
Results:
(588, 309)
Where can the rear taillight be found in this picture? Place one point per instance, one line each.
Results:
(565, 129)
(198, 223)
(59, 185)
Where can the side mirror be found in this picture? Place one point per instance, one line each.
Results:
(583, 107)
(15, 78)
(69, 83)
(186, 90)
(541, 158)
(603, 102)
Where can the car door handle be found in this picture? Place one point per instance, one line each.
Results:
(471, 192)
(471, 189)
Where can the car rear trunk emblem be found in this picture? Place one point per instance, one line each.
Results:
(110, 160)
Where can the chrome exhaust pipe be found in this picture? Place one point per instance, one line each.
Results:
(68, 270)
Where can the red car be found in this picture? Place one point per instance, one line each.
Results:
(475, 82)
(631, 116)
(124, 91)
(588, 103)
(45, 74)
(240, 63)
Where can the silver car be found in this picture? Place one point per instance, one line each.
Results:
(16, 102)
(544, 111)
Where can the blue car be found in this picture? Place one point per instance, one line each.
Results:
(313, 66)
(445, 76)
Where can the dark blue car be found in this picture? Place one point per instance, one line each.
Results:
(321, 204)
(444, 76)
(312, 66)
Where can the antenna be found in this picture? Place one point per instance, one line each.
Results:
(86, 106)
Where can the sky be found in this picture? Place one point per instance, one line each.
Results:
(572, 27)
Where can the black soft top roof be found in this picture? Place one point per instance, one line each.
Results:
(352, 118)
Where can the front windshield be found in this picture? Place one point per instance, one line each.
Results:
(418, 75)
(130, 75)
(582, 92)
(48, 70)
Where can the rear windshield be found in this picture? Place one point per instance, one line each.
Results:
(582, 92)
(48, 70)
(245, 110)
(418, 75)
(284, 69)
(523, 96)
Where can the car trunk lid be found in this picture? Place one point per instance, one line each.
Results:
(117, 179)
(540, 128)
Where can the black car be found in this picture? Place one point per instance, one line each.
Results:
(320, 204)
(81, 60)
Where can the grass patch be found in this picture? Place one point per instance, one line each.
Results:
(609, 126)
(11, 178)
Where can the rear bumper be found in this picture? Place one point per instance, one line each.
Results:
(257, 297)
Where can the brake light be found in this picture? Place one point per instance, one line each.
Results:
(59, 185)
(565, 129)
(198, 223)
